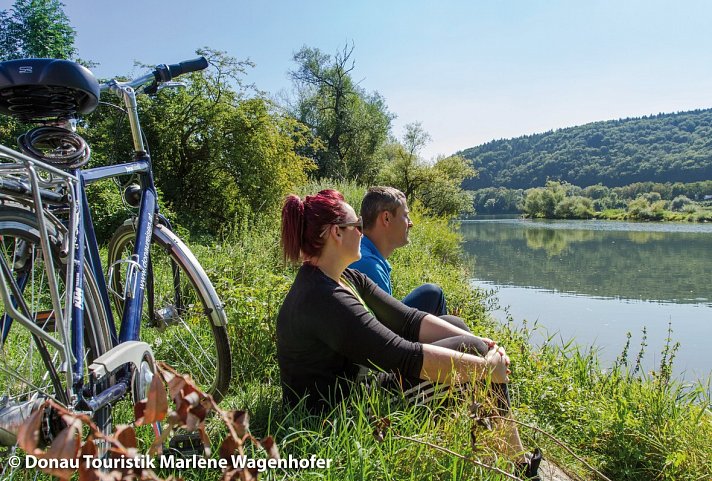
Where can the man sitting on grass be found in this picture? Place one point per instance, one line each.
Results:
(386, 224)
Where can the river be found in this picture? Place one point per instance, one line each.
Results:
(594, 281)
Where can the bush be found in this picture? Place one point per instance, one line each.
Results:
(679, 203)
(574, 208)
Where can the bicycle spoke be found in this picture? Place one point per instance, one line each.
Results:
(199, 363)
(27, 382)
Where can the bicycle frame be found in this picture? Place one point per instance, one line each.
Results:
(147, 214)
(83, 246)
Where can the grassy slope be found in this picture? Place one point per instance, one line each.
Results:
(631, 427)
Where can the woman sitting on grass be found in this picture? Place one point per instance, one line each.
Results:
(335, 319)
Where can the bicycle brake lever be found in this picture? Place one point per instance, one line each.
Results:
(172, 85)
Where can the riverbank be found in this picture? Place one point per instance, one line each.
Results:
(628, 424)
(641, 201)
(652, 215)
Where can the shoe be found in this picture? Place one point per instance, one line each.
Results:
(530, 468)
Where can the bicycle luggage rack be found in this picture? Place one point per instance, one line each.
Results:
(41, 184)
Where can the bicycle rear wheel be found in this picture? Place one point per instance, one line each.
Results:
(183, 319)
(31, 370)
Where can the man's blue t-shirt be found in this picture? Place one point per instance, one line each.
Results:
(374, 265)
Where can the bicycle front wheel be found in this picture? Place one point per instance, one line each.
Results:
(183, 320)
(32, 369)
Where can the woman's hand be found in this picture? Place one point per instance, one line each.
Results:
(490, 343)
(498, 364)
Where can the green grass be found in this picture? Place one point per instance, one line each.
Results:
(629, 425)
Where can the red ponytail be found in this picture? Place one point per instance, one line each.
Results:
(303, 222)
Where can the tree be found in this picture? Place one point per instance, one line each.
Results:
(32, 28)
(404, 169)
(679, 203)
(443, 195)
(574, 207)
(542, 201)
(218, 155)
(437, 187)
(36, 28)
(351, 123)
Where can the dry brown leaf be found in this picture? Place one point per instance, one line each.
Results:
(65, 446)
(241, 422)
(88, 449)
(166, 372)
(126, 435)
(228, 448)
(205, 440)
(270, 447)
(155, 406)
(193, 397)
(28, 436)
(175, 386)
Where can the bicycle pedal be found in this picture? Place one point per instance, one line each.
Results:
(188, 444)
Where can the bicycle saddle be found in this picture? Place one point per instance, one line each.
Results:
(44, 88)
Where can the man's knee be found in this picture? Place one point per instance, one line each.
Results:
(432, 290)
(428, 298)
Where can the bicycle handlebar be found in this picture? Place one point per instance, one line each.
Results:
(148, 84)
(163, 73)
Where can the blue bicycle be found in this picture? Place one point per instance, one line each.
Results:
(68, 334)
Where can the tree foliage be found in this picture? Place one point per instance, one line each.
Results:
(566, 201)
(497, 200)
(659, 148)
(404, 168)
(681, 197)
(442, 195)
(217, 155)
(351, 123)
(36, 29)
(436, 187)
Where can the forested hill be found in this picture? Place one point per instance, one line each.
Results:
(661, 148)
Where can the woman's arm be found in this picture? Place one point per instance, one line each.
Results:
(439, 364)
(392, 313)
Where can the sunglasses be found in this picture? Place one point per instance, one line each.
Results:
(358, 224)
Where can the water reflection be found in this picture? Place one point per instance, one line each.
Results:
(654, 262)
(594, 281)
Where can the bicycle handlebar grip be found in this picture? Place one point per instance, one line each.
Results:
(187, 66)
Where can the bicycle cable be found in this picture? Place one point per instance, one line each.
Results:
(56, 146)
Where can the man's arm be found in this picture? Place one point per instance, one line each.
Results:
(371, 266)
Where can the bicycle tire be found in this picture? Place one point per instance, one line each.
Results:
(195, 308)
(23, 374)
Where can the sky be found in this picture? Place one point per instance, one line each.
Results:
(470, 71)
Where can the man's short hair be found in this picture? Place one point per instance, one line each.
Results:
(377, 200)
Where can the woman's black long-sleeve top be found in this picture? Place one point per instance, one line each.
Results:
(324, 332)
